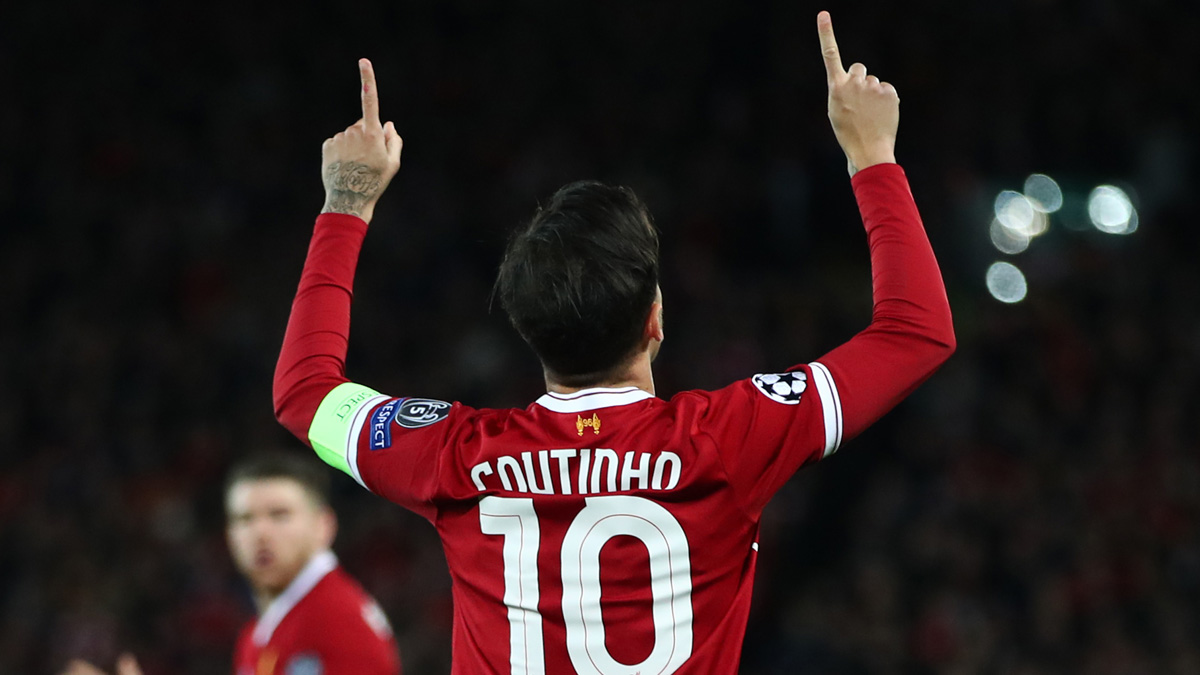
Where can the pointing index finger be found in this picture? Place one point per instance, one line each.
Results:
(829, 48)
(370, 94)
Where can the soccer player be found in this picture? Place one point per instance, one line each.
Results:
(604, 530)
(313, 618)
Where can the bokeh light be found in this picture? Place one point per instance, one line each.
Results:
(1043, 192)
(1006, 240)
(1006, 283)
(1017, 214)
(1111, 210)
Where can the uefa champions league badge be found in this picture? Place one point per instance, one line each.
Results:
(415, 413)
(784, 388)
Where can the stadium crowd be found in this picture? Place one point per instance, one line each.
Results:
(1035, 508)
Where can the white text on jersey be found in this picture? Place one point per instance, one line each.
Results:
(583, 471)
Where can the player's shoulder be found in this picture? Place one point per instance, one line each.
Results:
(338, 589)
(416, 412)
(338, 603)
(786, 388)
(417, 417)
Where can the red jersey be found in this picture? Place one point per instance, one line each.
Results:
(322, 624)
(609, 531)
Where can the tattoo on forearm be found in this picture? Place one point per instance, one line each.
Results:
(349, 187)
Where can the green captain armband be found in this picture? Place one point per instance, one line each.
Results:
(340, 414)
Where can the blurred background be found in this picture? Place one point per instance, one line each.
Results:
(1032, 509)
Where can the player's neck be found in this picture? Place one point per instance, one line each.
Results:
(264, 598)
(637, 374)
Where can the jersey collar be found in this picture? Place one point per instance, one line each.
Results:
(592, 399)
(320, 565)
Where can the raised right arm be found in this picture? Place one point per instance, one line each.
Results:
(357, 165)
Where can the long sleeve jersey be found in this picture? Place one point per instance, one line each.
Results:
(610, 531)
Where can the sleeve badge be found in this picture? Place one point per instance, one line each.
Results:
(783, 388)
(415, 413)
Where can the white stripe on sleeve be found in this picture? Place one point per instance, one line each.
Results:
(831, 406)
(360, 419)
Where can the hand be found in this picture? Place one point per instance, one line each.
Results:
(358, 163)
(126, 665)
(865, 112)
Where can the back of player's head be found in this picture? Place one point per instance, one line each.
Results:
(274, 464)
(579, 280)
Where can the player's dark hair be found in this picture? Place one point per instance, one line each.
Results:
(578, 281)
(313, 477)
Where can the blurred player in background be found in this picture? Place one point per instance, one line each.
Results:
(313, 618)
(603, 530)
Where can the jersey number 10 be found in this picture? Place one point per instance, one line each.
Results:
(600, 520)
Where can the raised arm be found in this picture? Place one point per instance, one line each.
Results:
(864, 112)
(357, 165)
(911, 332)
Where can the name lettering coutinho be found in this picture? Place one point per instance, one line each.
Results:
(584, 471)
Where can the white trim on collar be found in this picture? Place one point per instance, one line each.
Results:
(592, 399)
(320, 565)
